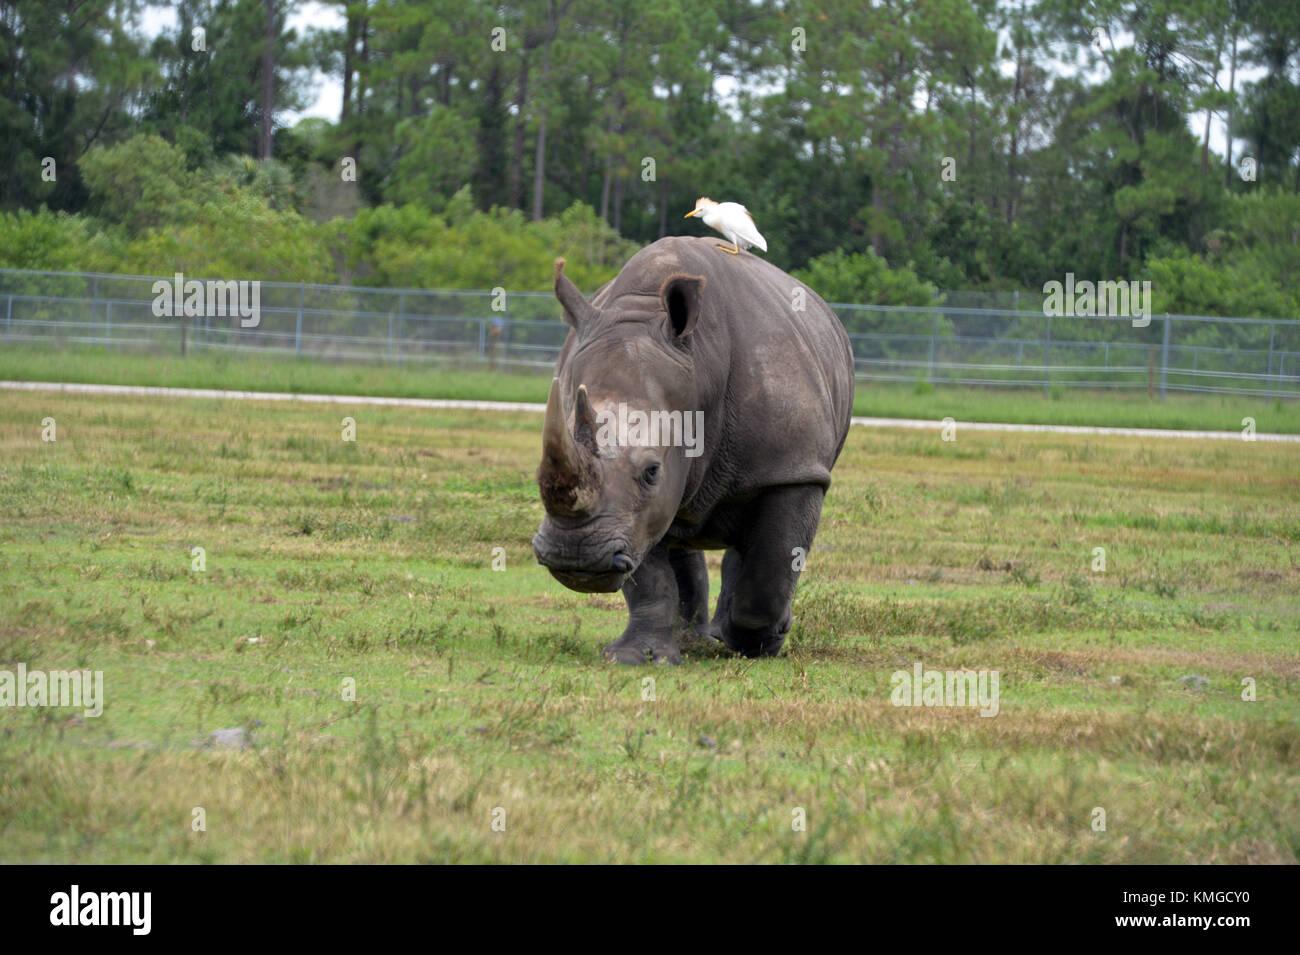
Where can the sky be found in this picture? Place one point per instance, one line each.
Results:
(328, 89)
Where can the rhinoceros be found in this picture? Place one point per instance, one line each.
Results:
(699, 402)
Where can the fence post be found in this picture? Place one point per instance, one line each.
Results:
(1151, 371)
(1164, 357)
(297, 335)
(934, 334)
(1268, 382)
(9, 316)
(482, 338)
(94, 306)
(1047, 359)
(108, 322)
(401, 319)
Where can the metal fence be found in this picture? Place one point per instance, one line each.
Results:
(964, 338)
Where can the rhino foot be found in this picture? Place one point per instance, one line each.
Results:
(643, 648)
(756, 641)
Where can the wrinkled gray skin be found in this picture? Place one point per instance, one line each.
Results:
(684, 327)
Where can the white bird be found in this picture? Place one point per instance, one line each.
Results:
(732, 220)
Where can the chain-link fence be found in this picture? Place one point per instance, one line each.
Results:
(964, 338)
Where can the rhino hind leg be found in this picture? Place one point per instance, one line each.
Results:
(759, 574)
(731, 563)
(653, 608)
(694, 631)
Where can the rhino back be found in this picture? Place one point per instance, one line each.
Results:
(775, 384)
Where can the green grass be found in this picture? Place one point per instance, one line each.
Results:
(1016, 406)
(479, 690)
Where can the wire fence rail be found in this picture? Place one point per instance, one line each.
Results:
(963, 338)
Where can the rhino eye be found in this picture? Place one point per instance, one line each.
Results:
(651, 474)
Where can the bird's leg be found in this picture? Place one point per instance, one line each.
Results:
(725, 248)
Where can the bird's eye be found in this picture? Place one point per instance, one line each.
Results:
(651, 474)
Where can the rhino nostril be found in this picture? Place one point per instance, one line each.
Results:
(622, 563)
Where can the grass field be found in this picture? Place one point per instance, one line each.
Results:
(479, 690)
(874, 399)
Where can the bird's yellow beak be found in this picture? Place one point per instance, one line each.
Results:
(693, 212)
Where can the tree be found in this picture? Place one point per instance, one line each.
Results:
(71, 74)
(220, 90)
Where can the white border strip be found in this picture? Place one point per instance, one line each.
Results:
(446, 403)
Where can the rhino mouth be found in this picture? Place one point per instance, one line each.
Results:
(590, 583)
(603, 576)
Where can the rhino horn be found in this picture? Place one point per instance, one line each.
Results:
(584, 422)
(556, 443)
(567, 474)
(577, 310)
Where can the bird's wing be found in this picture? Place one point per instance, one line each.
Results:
(746, 229)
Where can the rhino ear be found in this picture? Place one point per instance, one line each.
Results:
(577, 310)
(682, 296)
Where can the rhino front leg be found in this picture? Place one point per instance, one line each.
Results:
(759, 574)
(653, 606)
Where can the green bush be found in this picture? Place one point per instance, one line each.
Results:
(61, 243)
(865, 279)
